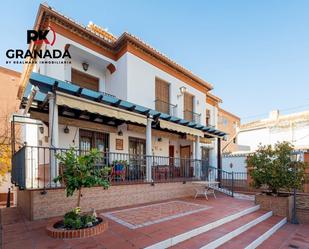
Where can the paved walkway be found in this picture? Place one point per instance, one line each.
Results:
(20, 233)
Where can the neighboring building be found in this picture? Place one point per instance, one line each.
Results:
(293, 128)
(228, 123)
(9, 104)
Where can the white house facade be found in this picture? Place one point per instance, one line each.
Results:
(115, 94)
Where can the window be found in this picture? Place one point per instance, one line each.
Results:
(188, 106)
(92, 139)
(234, 140)
(207, 117)
(137, 146)
(162, 96)
(225, 121)
(84, 80)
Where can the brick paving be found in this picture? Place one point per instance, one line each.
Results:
(18, 232)
(289, 237)
(154, 213)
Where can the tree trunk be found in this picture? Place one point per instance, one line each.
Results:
(78, 198)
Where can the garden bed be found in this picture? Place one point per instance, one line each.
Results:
(279, 205)
(58, 231)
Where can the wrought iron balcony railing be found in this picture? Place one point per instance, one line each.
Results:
(192, 116)
(35, 167)
(168, 108)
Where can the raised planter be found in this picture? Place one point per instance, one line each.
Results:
(281, 206)
(59, 233)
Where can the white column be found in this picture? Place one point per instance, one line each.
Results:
(53, 135)
(148, 151)
(197, 155)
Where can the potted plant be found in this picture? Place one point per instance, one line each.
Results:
(274, 170)
(78, 172)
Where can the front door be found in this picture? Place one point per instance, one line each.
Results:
(137, 160)
(171, 154)
(185, 161)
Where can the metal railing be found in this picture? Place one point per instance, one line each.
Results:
(35, 167)
(165, 107)
(192, 116)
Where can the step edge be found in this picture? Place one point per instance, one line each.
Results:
(202, 229)
(227, 237)
(267, 234)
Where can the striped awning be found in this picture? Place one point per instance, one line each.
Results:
(180, 128)
(74, 102)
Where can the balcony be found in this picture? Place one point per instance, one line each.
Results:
(192, 116)
(168, 108)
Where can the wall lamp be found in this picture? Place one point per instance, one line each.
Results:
(182, 90)
(66, 130)
(41, 128)
(85, 66)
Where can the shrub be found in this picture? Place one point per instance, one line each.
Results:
(74, 219)
(274, 168)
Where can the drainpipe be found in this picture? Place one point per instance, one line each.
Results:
(148, 150)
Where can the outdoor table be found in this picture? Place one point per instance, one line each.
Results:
(204, 188)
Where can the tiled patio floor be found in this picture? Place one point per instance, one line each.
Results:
(20, 233)
(154, 213)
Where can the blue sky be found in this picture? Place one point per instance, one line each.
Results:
(255, 53)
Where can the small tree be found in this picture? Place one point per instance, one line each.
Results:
(80, 171)
(5, 161)
(274, 168)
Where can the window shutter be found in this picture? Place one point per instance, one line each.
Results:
(84, 80)
(162, 96)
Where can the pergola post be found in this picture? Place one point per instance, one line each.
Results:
(197, 155)
(53, 135)
(148, 151)
(219, 160)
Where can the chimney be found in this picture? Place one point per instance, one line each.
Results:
(274, 115)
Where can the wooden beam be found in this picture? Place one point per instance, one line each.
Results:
(75, 122)
(157, 133)
(117, 103)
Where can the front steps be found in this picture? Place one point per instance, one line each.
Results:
(245, 229)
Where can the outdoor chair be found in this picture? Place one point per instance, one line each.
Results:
(118, 172)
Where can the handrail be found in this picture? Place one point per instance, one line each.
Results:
(196, 117)
(163, 106)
